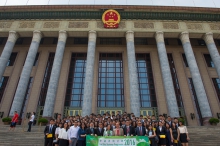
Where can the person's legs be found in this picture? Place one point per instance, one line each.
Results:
(29, 126)
(45, 141)
(74, 141)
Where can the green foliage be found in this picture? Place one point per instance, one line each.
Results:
(181, 119)
(42, 120)
(213, 121)
(6, 119)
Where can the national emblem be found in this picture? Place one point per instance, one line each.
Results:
(111, 18)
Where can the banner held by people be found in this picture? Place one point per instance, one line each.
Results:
(117, 141)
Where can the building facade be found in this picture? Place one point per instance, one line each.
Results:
(61, 59)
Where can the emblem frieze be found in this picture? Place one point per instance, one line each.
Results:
(214, 26)
(170, 26)
(26, 24)
(5, 24)
(148, 25)
(51, 24)
(78, 25)
(194, 26)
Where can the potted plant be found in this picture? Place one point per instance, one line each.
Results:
(43, 121)
(6, 120)
(214, 121)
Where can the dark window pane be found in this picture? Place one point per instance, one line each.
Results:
(46, 79)
(80, 41)
(36, 59)
(111, 41)
(110, 85)
(184, 60)
(55, 40)
(208, 60)
(19, 41)
(216, 82)
(74, 92)
(145, 79)
(12, 59)
(175, 80)
(140, 41)
(201, 42)
(3, 83)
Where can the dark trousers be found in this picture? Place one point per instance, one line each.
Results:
(29, 126)
(81, 143)
(48, 142)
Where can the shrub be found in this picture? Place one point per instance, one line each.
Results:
(43, 120)
(6, 119)
(213, 121)
(181, 119)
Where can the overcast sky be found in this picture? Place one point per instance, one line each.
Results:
(197, 3)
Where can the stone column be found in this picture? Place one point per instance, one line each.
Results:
(25, 74)
(213, 51)
(55, 74)
(87, 96)
(133, 77)
(196, 77)
(6, 53)
(166, 75)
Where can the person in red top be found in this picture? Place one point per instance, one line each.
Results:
(14, 121)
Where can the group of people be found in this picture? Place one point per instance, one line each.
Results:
(72, 130)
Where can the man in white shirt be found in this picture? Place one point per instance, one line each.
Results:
(31, 121)
(73, 134)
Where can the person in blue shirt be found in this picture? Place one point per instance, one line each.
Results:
(82, 135)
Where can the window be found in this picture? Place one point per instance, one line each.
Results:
(36, 59)
(1, 40)
(42, 41)
(179, 42)
(44, 87)
(111, 41)
(55, 40)
(216, 82)
(12, 59)
(110, 80)
(75, 84)
(166, 41)
(19, 41)
(201, 42)
(80, 41)
(175, 80)
(146, 81)
(27, 95)
(209, 61)
(184, 60)
(195, 99)
(218, 42)
(3, 83)
(140, 41)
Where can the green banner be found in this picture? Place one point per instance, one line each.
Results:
(117, 141)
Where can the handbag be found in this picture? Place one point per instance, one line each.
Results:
(156, 138)
(175, 141)
(162, 136)
(49, 135)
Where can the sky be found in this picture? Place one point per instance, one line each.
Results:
(190, 3)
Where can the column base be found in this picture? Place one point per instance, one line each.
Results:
(205, 121)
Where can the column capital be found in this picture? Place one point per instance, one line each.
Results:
(92, 35)
(159, 36)
(62, 36)
(184, 37)
(208, 38)
(37, 35)
(130, 36)
(13, 36)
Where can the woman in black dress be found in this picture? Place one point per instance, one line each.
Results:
(183, 134)
(161, 133)
(175, 134)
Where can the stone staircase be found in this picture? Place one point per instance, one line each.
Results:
(199, 136)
